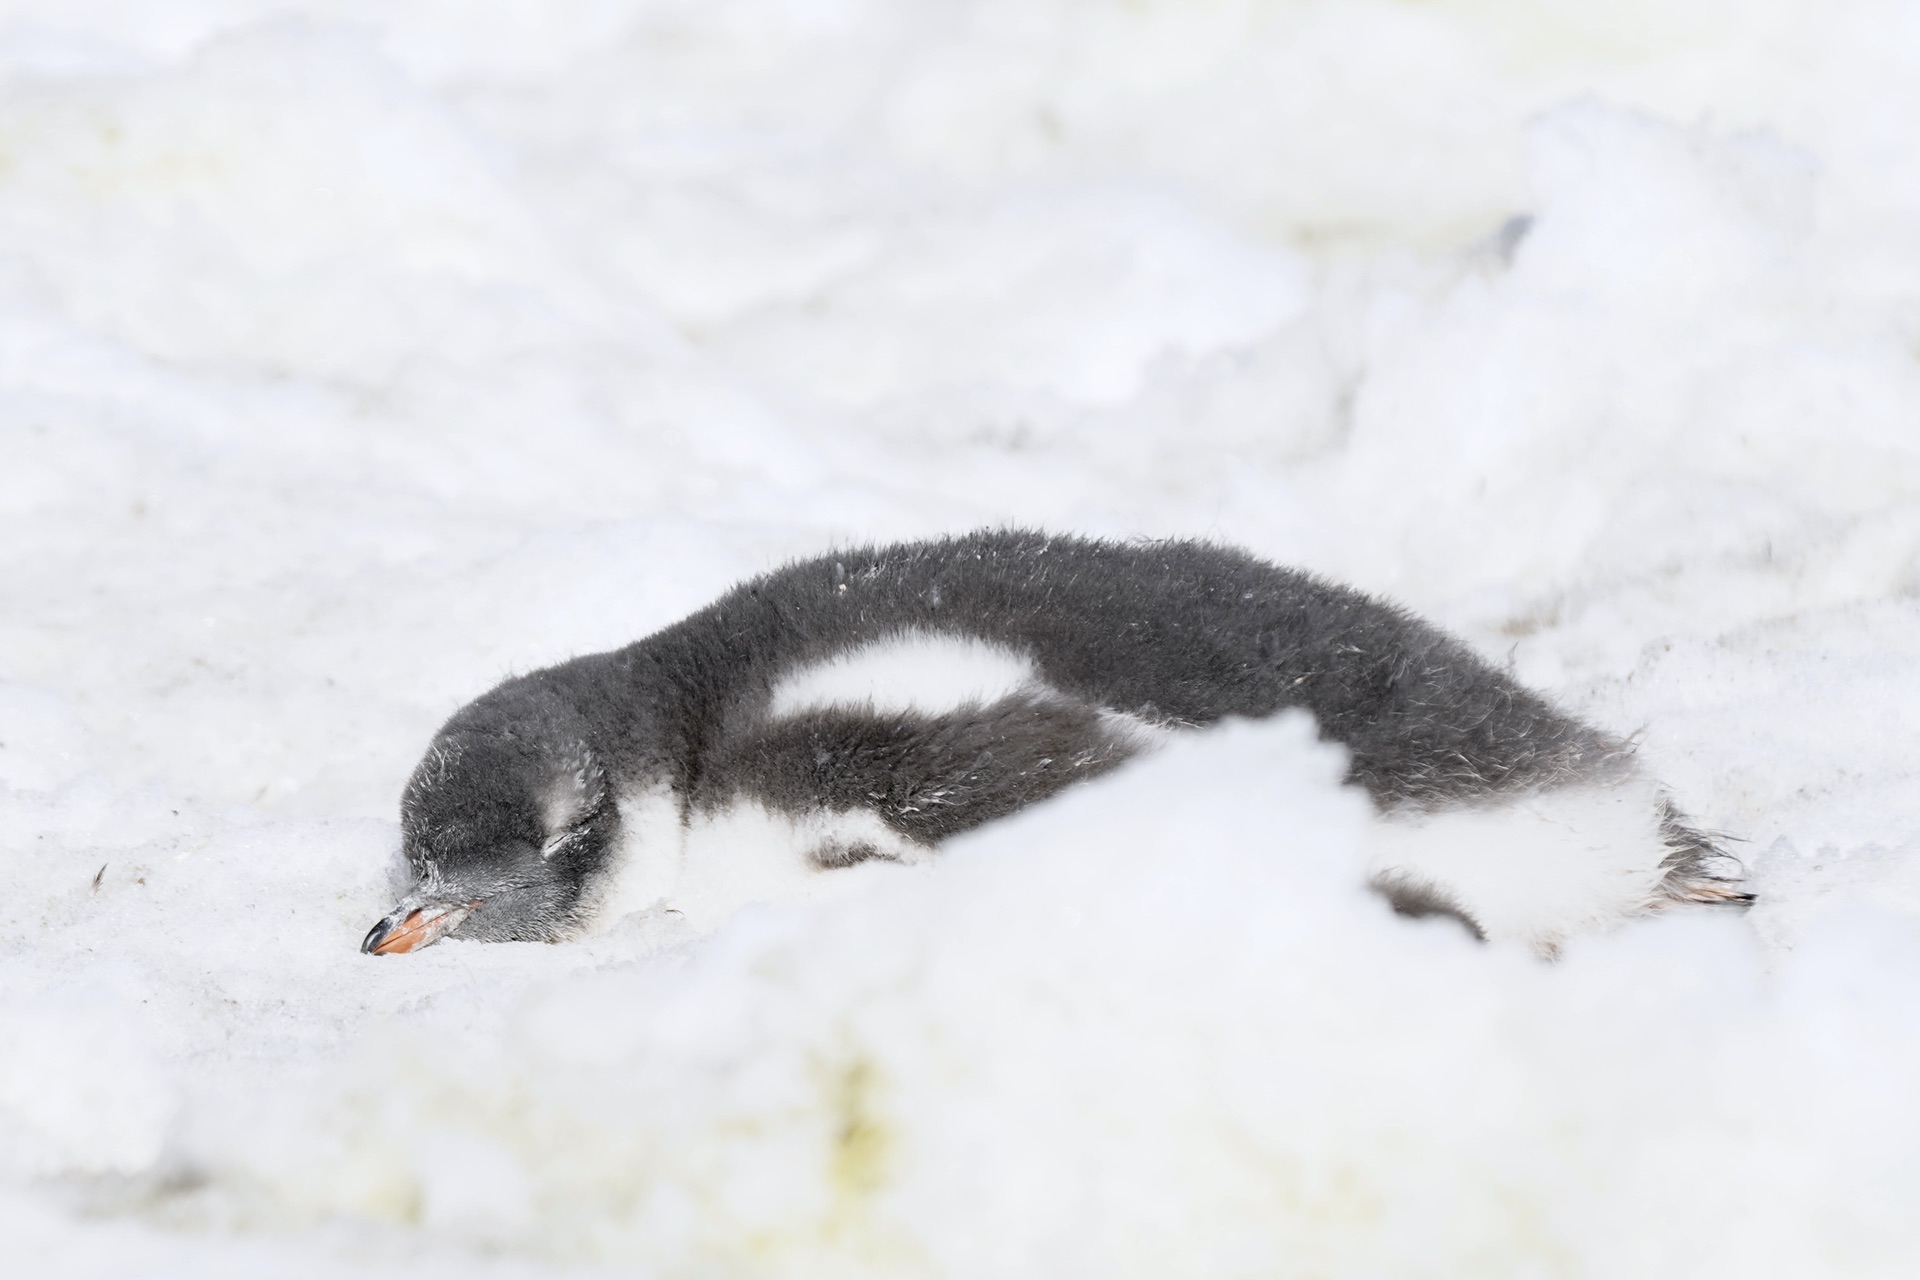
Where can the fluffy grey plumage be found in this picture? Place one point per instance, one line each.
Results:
(512, 814)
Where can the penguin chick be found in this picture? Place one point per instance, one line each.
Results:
(800, 697)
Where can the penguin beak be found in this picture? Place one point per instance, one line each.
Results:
(410, 928)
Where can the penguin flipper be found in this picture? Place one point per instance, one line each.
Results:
(926, 776)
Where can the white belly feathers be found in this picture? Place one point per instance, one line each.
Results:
(1535, 867)
(914, 671)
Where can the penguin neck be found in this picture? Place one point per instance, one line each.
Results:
(644, 862)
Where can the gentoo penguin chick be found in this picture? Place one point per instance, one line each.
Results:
(1067, 656)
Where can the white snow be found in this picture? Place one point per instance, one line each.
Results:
(354, 355)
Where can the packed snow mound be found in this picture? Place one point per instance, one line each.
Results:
(353, 356)
(1155, 1025)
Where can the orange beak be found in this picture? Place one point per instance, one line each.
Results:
(420, 927)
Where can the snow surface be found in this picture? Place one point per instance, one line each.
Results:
(354, 354)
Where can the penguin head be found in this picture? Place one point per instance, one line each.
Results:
(505, 823)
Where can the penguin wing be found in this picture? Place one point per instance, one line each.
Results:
(926, 776)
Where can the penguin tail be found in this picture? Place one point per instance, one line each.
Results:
(1697, 865)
